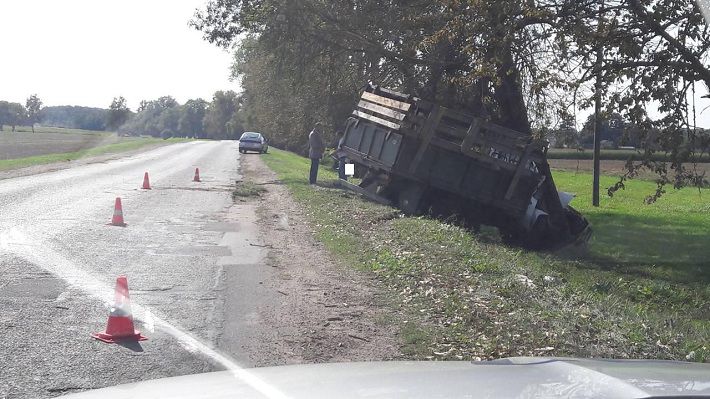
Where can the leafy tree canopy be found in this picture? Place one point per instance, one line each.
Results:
(521, 64)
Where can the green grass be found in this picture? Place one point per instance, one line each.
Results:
(459, 296)
(667, 239)
(126, 144)
(619, 155)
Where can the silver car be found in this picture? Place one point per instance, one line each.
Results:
(503, 378)
(253, 141)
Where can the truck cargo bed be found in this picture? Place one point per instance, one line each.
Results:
(422, 156)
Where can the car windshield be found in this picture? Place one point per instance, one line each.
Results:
(203, 185)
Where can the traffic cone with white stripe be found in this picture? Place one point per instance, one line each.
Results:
(197, 175)
(117, 219)
(120, 321)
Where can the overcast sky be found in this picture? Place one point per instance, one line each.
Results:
(85, 52)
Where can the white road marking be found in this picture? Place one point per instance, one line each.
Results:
(38, 252)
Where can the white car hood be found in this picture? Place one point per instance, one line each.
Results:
(505, 378)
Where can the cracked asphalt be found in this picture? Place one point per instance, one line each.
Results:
(59, 260)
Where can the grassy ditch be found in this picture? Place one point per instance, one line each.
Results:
(467, 297)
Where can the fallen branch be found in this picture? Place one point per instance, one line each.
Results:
(262, 246)
(358, 337)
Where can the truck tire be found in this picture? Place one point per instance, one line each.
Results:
(410, 198)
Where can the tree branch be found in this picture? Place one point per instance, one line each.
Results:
(692, 59)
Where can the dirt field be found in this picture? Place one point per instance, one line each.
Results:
(23, 144)
(612, 168)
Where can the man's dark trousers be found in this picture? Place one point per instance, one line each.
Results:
(314, 170)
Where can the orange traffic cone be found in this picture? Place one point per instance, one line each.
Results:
(117, 219)
(146, 182)
(197, 175)
(120, 321)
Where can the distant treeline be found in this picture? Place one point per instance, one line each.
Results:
(13, 114)
(74, 117)
(165, 117)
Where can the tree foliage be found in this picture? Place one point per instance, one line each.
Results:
(165, 117)
(33, 106)
(162, 117)
(190, 121)
(222, 116)
(12, 114)
(74, 117)
(118, 113)
(521, 64)
(155, 118)
(4, 114)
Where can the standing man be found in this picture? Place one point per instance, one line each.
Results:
(315, 151)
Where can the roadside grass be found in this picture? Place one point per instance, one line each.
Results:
(669, 239)
(463, 296)
(125, 144)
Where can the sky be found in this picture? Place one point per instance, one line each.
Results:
(86, 52)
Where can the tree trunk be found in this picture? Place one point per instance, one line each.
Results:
(33, 127)
(512, 113)
(473, 97)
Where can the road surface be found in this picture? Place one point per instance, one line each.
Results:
(59, 261)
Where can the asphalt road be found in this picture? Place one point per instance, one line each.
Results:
(59, 261)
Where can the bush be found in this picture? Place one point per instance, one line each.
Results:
(166, 134)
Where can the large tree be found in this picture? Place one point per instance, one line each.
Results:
(521, 64)
(118, 113)
(157, 118)
(4, 114)
(221, 120)
(17, 115)
(191, 118)
(33, 105)
(653, 55)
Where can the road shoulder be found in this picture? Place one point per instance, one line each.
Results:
(322, 311)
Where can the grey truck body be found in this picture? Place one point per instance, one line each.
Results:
(424, 157)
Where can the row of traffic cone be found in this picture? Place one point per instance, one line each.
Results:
(117, 219)
(120, 325)
(146, 179)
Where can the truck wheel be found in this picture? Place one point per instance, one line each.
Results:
(410, 199)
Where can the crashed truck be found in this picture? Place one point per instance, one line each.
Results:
(426, 158)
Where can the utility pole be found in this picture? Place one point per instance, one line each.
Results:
(597, 109)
